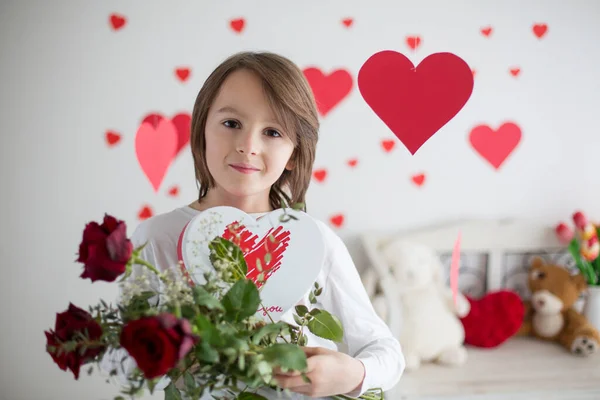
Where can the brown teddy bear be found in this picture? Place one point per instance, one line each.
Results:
(550, 314)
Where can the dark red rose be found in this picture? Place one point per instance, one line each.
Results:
(158, 343)
(105, 250)
(68, 324)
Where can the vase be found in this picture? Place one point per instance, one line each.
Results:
(591, 309)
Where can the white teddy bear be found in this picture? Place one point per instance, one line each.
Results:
(430, 330)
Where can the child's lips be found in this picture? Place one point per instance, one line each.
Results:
(244, 168)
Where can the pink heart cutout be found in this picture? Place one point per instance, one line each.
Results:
(495, 146)
(155, 149)
(415, 102)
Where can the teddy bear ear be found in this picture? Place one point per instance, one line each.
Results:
(537, 262)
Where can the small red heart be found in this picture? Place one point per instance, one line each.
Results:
(487, 31)
(418, 179)
(329, 90)
(237, 24)
(112, 138)
(493, 319)
(117, 21)
(495, 146)
(413, 42)
(320, 175)
(415, 102)
(183, 74)
(182, 122)
(388, 145)
(352, 162)
(174, 191)
(337, 220)
(515, 71)
(347, 22)
(145, 213)
(540, 30)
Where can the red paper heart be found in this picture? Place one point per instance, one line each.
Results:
(495, 146)
(182, 123)
(337, 220)
(174, 191)
(515, 71)
(112, 138)
(320, 175)
(418, 179)
(117, 21)
(415, 102)
(329, 90)
(145, 213)
(347, 22)
(413, 42)
(388, 145)
(352, 162)
(540, 30)
(155, 149)
(237, 24)
(183, 74)
(487, 31)
(493, 319)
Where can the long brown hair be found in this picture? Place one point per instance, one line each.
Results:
(292, 100)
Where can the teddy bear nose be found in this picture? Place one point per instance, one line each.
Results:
(541, 302)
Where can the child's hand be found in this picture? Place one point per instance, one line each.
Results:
(331, 373)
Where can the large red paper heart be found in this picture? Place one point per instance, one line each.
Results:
(493, 319)
(329, 90)
(182, 123)
(295, 251)
(415, 102)
(495, 146)
(155, 149)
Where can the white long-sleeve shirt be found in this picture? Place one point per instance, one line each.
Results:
(366, 336)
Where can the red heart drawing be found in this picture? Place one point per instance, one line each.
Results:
(413, 42)
(495, 146)
(493, 319)
(183, 74)
(112, 138)
(155, 149)
(320, 175)
(329, 90)
(415, 102)
(347, 22)
(182, 123)
(515, 71)
(540, 30)
(418, 179)
(237, 24)
(352, 162)
(487, 31)
(388, 145)
(145, 213)
(117, 21)
(337, 220)
(174, 191)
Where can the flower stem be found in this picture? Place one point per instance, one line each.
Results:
(146, 264)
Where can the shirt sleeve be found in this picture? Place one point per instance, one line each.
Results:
(367, 337)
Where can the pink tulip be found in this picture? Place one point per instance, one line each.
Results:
(580, 220)
(564, 232)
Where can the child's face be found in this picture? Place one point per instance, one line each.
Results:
(246, 148)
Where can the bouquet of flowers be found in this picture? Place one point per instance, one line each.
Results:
(205, 338)
(583, 246)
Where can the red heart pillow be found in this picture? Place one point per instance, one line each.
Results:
(493, 319)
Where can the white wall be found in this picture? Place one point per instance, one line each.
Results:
(66, 78)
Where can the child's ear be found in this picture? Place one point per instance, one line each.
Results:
(291, 163)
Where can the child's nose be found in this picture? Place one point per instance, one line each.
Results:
(248, 142)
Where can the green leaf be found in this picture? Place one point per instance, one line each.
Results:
(207, 331)
(172, 393)
(286, 355)
(206, 353)
(225, 250)
(205, 299)
(326, 326)
(188, 379)
(270, 329)
(312, 298)
(583, 265)
(241, 301)
(301, 310)
(250, 396)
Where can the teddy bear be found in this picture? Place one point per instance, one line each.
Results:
(431, 330)
(550, 314)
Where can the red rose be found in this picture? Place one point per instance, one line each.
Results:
(67, 327)
(158, 343)
(105, 250)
